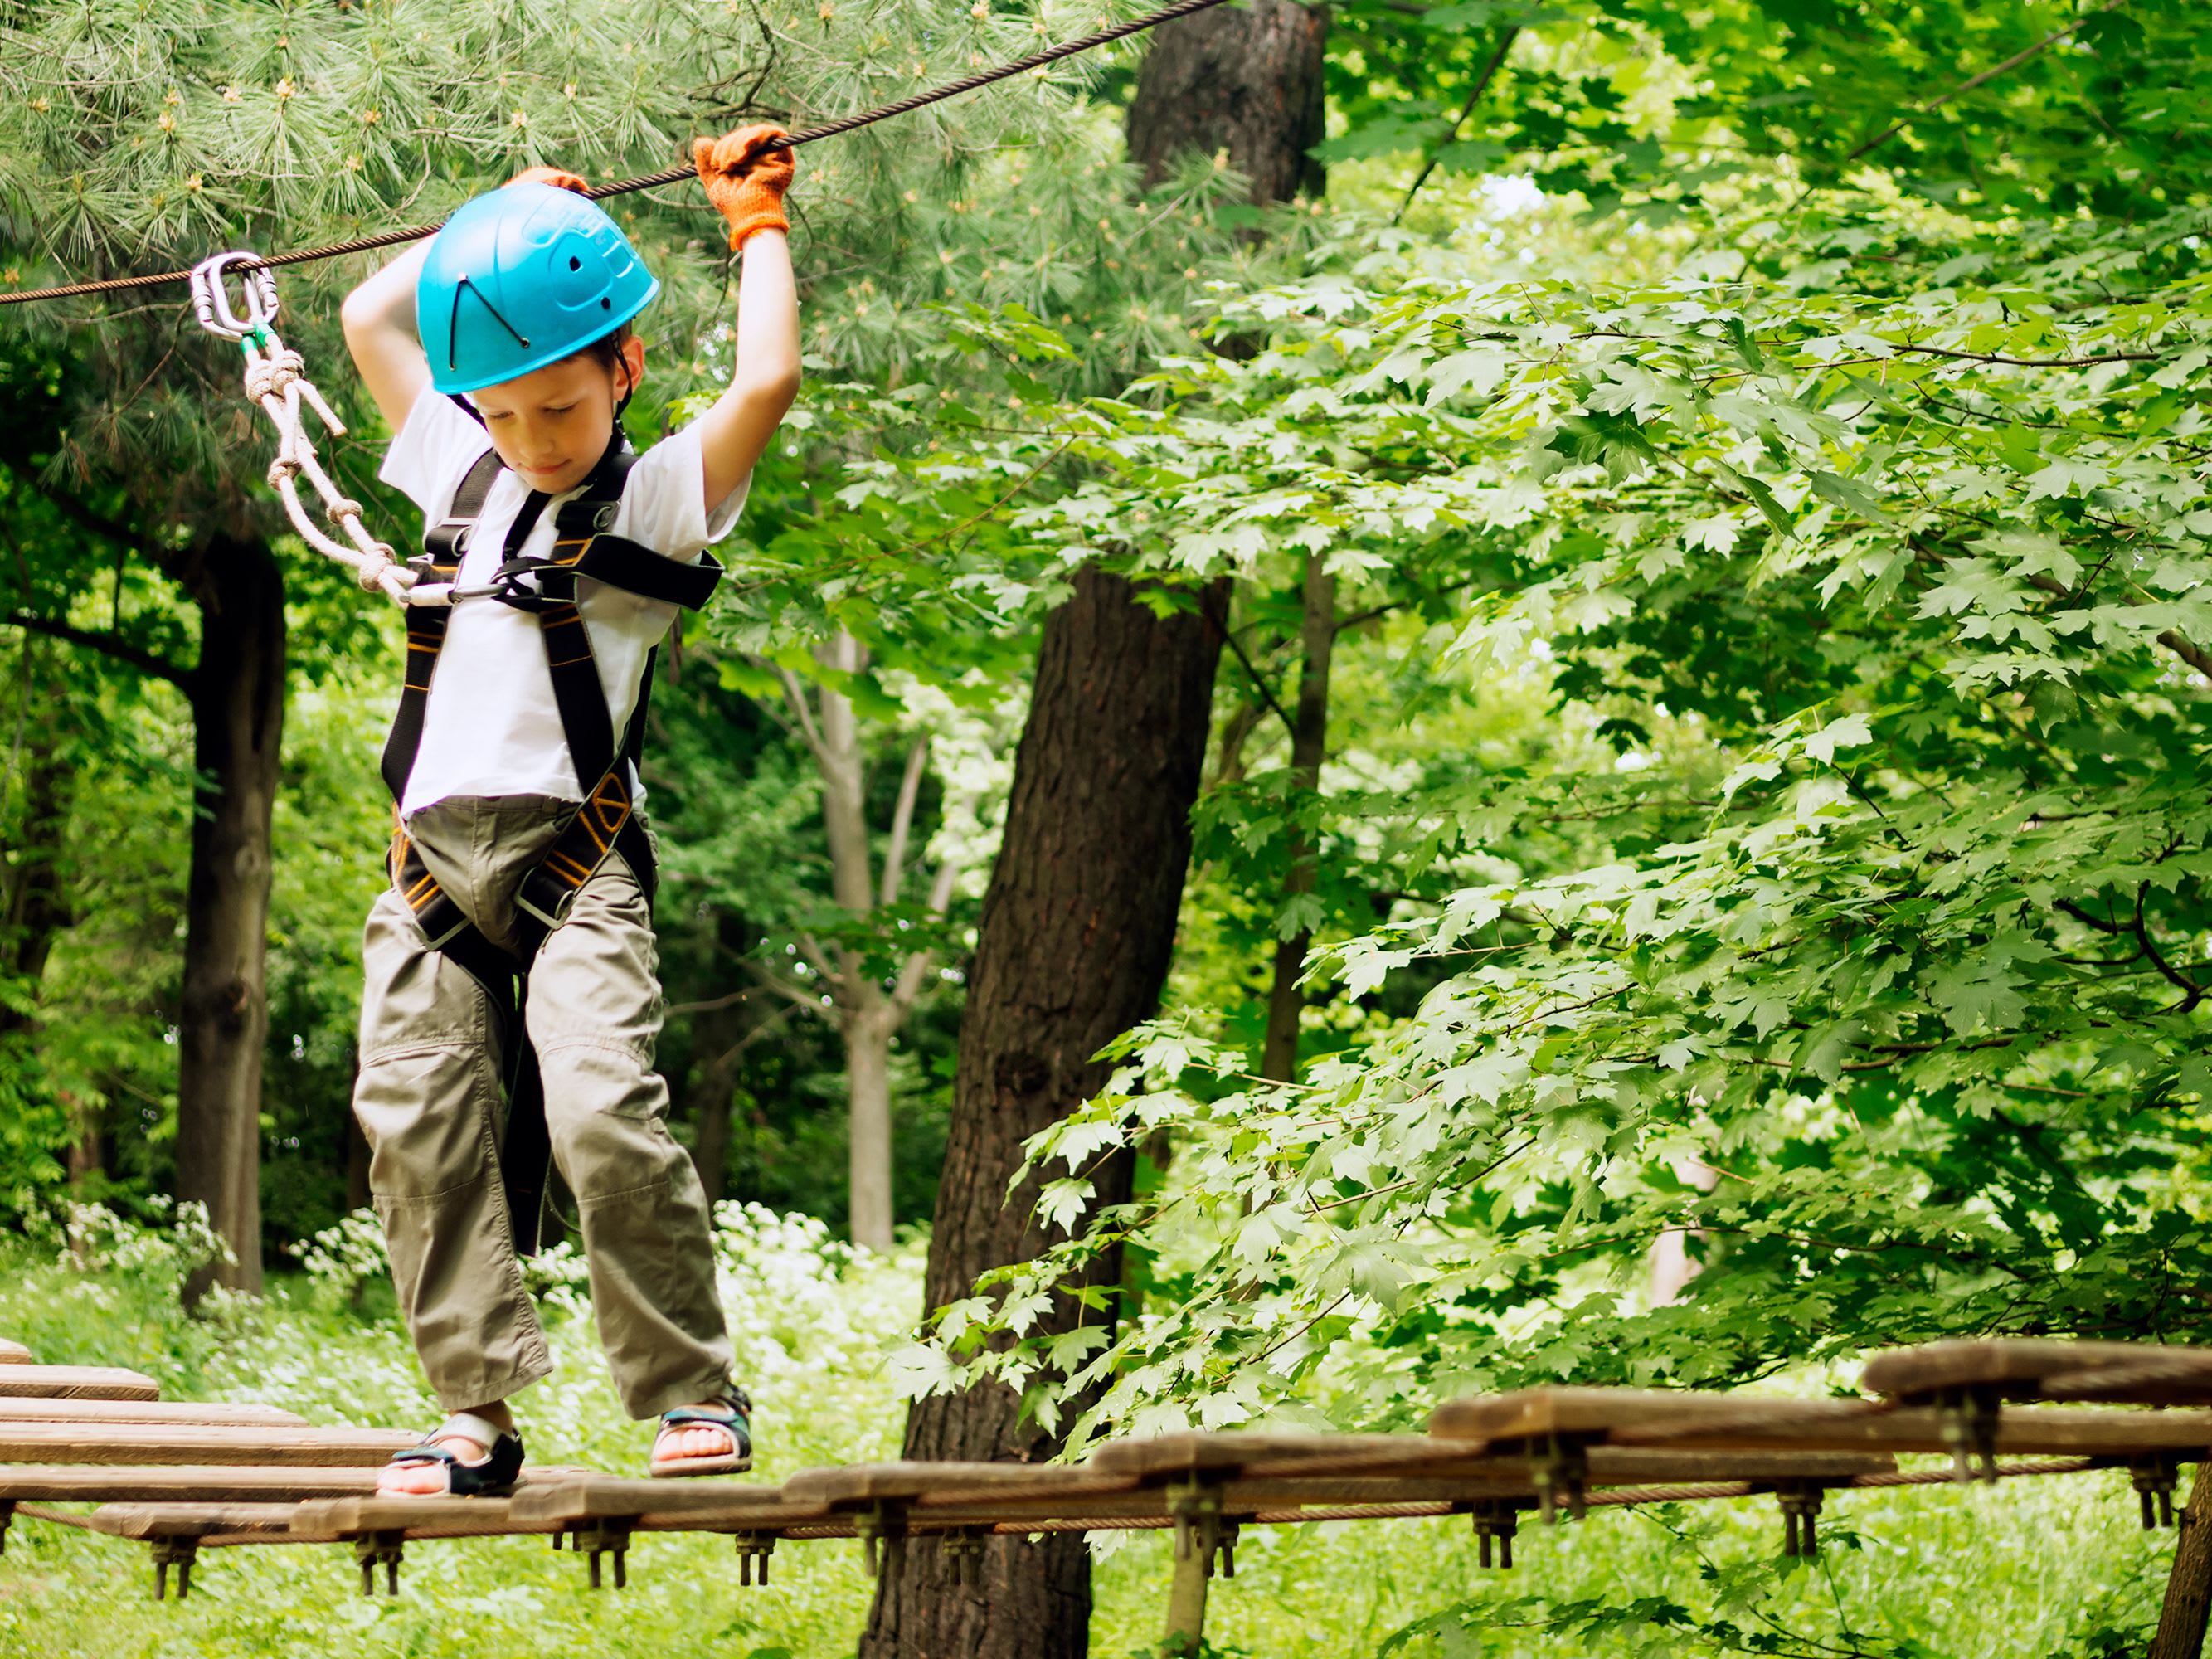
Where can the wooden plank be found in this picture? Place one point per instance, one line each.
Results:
(1185, 1455)
(2025, 1366)
(81, 1484)
(152, 1443)
(1527, 1413)
(151, 1521)
(710, 1506)
(860, 1484)
(205, 1414)
(74, 1383)
(349, 1517)
(2021, 1430)
(14, 1353)
(1631, 1417)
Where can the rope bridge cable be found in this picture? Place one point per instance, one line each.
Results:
(667, 175)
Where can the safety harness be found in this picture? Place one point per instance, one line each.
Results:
(607, 821)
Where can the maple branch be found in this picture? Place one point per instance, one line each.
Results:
(1481, 83)
(2192, 992)
(2035, 363)
(1259, 685)
(1985, 77)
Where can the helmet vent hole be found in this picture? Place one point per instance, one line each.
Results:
(575, 264)
(606, 305)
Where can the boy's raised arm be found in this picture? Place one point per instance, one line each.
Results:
(747, 183)
(380, 331)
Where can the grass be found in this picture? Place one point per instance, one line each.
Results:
(2053, 1566)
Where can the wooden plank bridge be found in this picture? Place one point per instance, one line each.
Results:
(184, 1478)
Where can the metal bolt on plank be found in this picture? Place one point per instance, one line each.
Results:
(1968, 1417)
(1497, 1519)
(1562, 1476)
(882, 1532)
(1196, 1507)
(963, 1548)
(380, 1549)
(1800, 1502)
(177, 1553)
(608, 1535)
(2154, 1477)
(754, 1546)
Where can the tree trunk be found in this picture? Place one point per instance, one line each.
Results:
(721, 1032)
(237, 695)
(1246, 79)
(358, 1196)
(2189, 1587)
(867, 1030)
(1308, 748)
(37, 906)
(864, 1021)
(1076, 929)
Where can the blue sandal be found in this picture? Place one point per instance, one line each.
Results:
(492, 1476)
(735, 1420)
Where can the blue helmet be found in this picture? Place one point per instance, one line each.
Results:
(521, 277)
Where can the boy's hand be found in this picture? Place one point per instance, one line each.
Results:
(559, 179)
(745, 179)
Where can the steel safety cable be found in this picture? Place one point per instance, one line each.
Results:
(667, 175)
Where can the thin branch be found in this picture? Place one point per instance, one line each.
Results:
(916, 967)
(750, 1037)
(1221, 627)
(818, 959)
(795, 695)
(2086, 918)
(2194, 655)
(1986, 75)
(2193, 993)
(772, 981)
(1384, 609)
(107, 529)
(145, 661)
(2034, 363)
(713, 1004)
(902, 822)
(1481, 85)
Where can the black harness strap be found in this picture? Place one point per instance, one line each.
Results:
(606, 822)
(443, 545)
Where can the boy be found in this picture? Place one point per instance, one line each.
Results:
(501, 354)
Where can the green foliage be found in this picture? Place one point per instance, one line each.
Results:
(2062, 1559)
(1882, 561)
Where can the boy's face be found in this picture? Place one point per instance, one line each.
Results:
(550, 426)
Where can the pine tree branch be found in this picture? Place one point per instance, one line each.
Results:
(99, 524)
(113, 645)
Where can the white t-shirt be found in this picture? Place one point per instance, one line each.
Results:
(492, 727)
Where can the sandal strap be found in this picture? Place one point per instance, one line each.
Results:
(461, 1425)
(739, 1414)
(427, 1454)
(467, 1425)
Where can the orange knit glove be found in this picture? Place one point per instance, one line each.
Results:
(554, 176)
(745, 180)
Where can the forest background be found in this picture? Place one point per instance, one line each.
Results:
(1624, 585)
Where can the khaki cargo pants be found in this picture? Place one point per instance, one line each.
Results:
(430, 1101)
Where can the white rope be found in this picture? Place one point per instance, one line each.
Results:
(277, 380)
(274, 379)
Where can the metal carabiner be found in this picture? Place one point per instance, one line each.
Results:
(211, 295)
